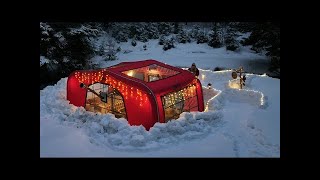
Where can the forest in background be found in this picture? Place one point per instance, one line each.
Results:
(66, 46)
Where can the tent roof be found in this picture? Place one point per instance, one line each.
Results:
(177, 81)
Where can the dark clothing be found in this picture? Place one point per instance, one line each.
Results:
(194, 70)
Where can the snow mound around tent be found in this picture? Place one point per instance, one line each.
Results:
(118, 134)
(106, 130)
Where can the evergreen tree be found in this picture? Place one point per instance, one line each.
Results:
(165, 28)
(141, 32)
(221, 28)
(46, 38)
(162, 40)
(79, 49)
(133, 30)
(182, 37)
(177, 28)
(143, 36)
(133, 42)
(121, 36)
(168, 44)
(231, 43)
(67, 46)
(101, 48)
(110, 50)
(120, 32)
(214, 38)
(230, 39)
(201, 37)
(153, 32)
(266, 37)
(245, 26)
(195, 31)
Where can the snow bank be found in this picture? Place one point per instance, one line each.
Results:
(105, 129)
(117, 134)
(238, 123)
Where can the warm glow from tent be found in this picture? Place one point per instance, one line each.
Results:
(136, 101)
(151, 72)
(234, 83)
(130, 73)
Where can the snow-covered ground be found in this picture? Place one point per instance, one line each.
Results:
(237, 123)
(183, 55)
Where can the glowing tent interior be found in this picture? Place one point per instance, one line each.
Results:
(143, 92)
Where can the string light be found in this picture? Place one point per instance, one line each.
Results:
(183, 94)
(141, 96)
(211, 99)
(86, 77)
(262, 102)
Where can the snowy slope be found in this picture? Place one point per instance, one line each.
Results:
(238, 123)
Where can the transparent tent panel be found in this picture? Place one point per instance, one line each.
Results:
(114, 103)
(176, 102)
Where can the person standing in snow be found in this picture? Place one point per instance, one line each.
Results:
(193, 69)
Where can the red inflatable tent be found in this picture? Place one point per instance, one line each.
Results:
(143, 92)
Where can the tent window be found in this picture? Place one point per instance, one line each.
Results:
(114, 102)
(175, 103)
(151, 73)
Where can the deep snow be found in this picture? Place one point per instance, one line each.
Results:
(237, 123)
